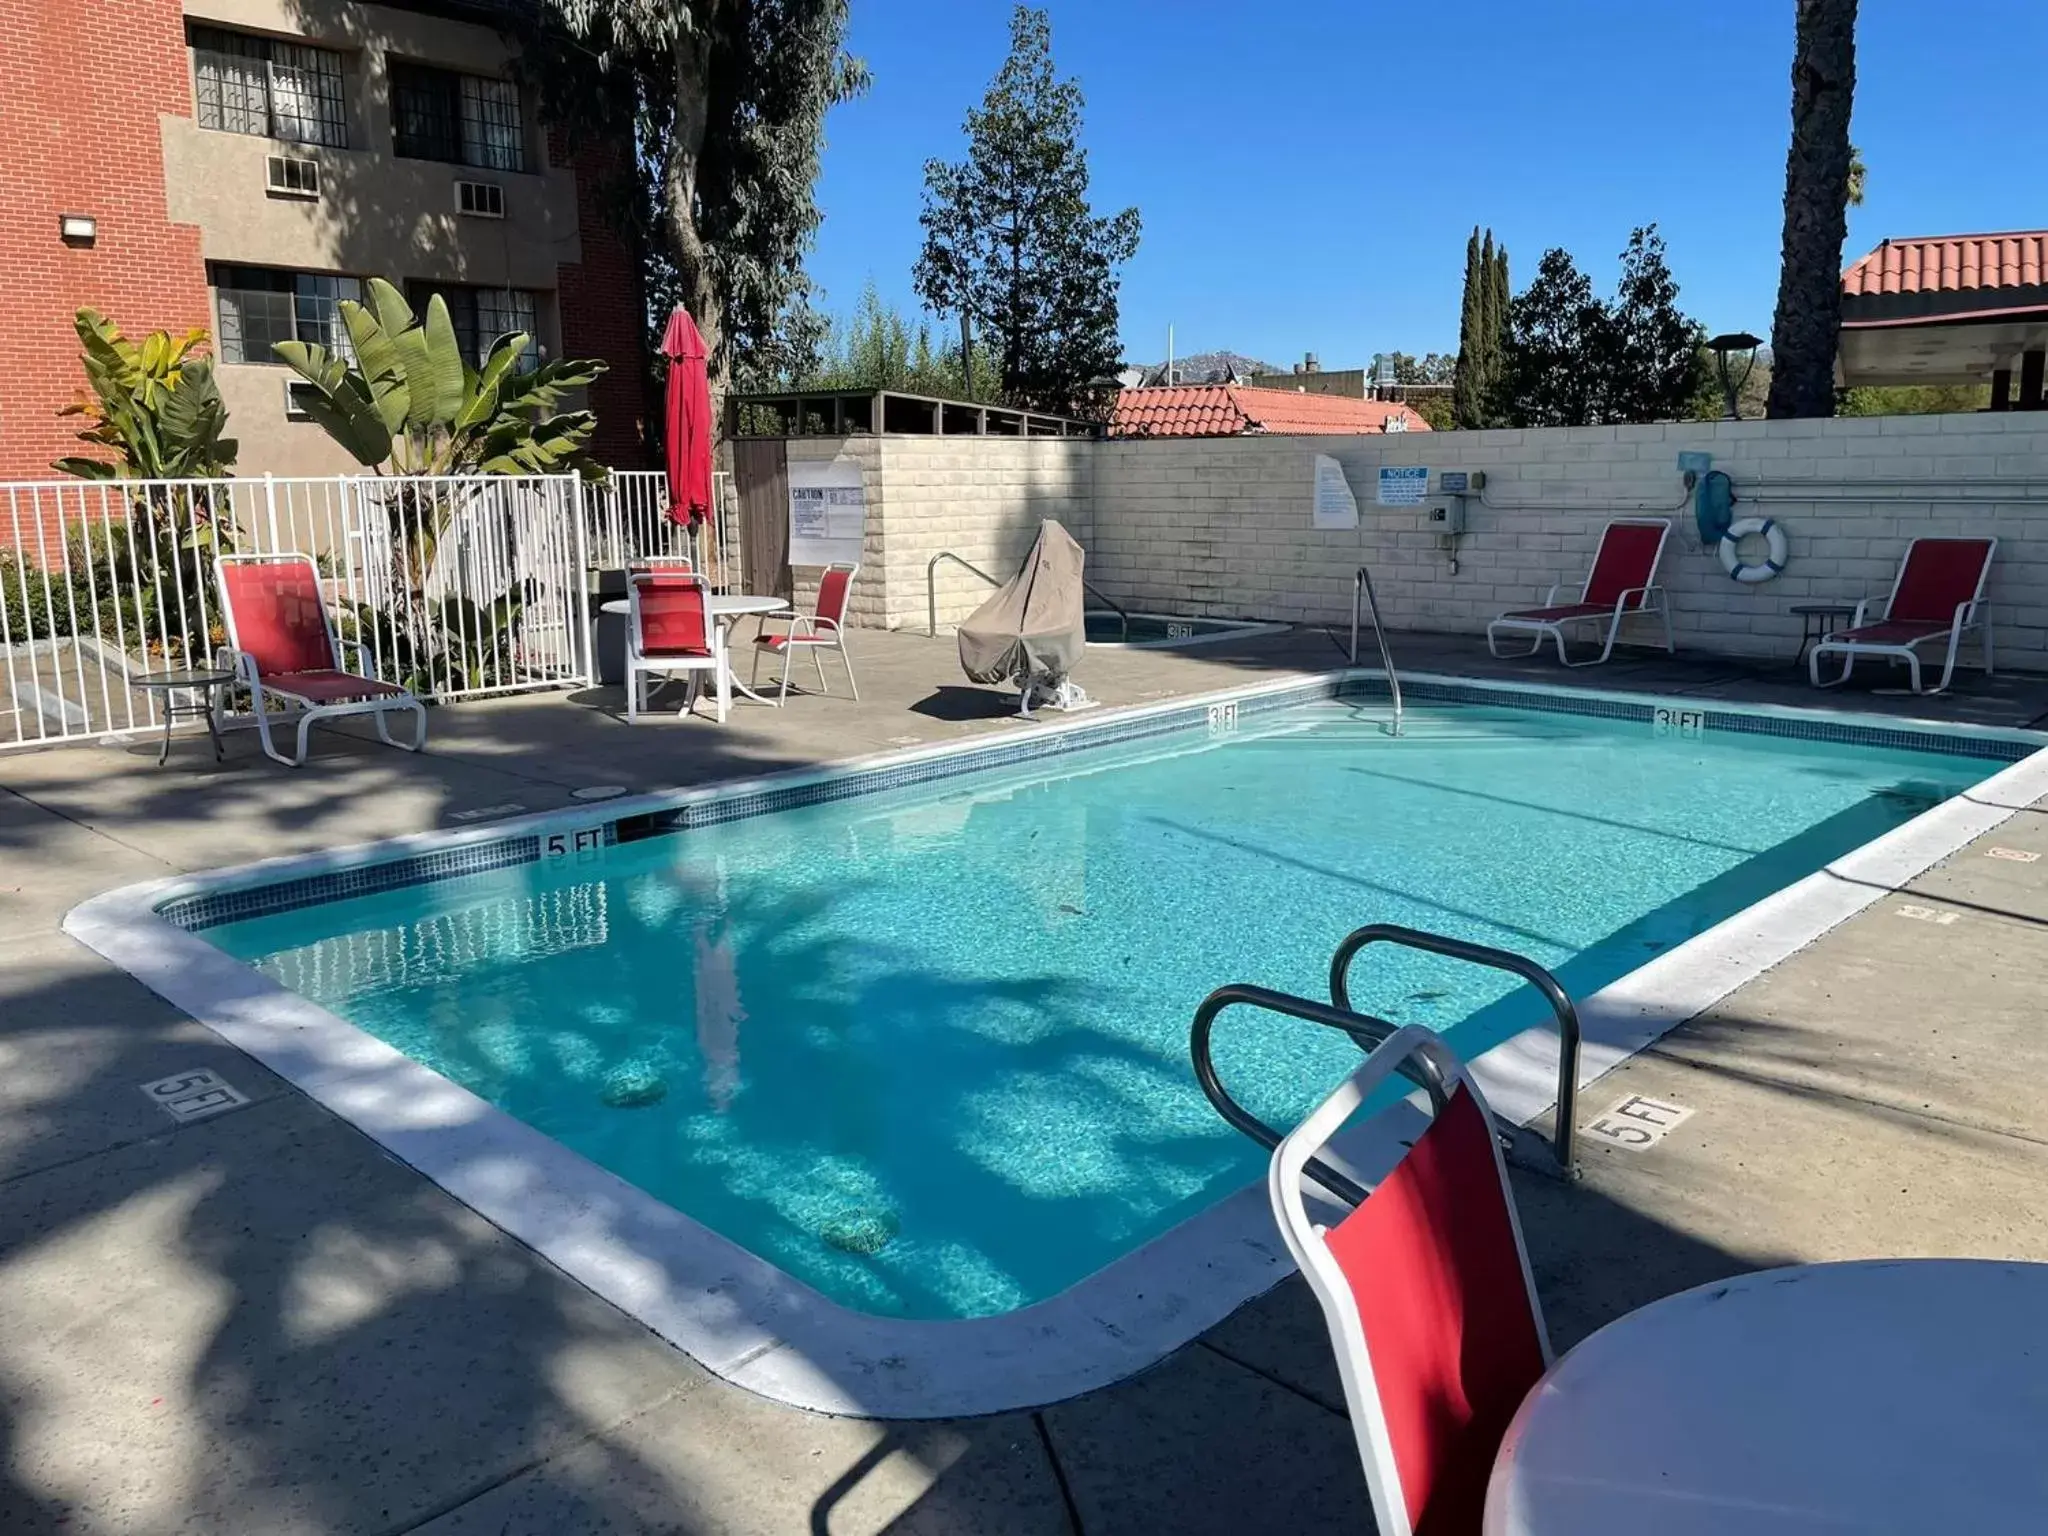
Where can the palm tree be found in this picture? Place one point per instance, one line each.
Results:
(1817, 184)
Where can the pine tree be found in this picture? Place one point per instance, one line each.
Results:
(1012, 241)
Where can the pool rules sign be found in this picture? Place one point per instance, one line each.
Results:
(828, 512)
(1335, 506)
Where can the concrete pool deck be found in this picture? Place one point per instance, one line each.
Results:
(260, 1322)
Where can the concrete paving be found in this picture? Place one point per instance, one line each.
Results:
(260, 1322)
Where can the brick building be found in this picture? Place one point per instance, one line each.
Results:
(244, 164)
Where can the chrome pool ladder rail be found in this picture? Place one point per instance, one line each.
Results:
(931, 593)
(1365, 1030)
(1500, 960)
(1363, 601)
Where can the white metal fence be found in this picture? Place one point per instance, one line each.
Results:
(629, 521)
(457, 587)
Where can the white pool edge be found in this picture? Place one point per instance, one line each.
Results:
(750, 1322)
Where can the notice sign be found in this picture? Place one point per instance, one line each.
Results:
(1403, 487)
(1335, 506)
(828, 512)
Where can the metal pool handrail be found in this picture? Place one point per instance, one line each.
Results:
(1501, 960)
(931, 592)
(1361, 591)
(1365, 1030)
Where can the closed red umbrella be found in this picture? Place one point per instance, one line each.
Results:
(689, 421)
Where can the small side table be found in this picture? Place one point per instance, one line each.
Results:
(195, 680)
(1816, 619)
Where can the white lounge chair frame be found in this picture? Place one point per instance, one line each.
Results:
(1651, 599)
(310, 711)
(1969, 616)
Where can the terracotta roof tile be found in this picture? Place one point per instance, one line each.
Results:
(1950, 264)
(1226, 410)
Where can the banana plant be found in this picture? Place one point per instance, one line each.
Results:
(408, 404)
(154, 404)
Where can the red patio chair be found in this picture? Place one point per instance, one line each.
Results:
(282, 643)
(1427, 1294)
(1623, 583)
(824, 630)
(671, 630)
(1938, 595)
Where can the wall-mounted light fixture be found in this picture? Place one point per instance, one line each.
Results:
(77, 228)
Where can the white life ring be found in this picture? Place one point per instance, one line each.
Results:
(1731, 551)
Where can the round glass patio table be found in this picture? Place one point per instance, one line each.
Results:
(727, 611)
(1895, 1395)
(199, 683)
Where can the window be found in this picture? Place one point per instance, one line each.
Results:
(437, 114)
(261, 305)
(482, 315)
(264, 86)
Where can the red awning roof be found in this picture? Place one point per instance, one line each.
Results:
(1227, 410)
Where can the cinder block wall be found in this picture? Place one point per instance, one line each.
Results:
(980, 498)
(1221, 526)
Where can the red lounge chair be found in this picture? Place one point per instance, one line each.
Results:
(823, 631)
(1623, 583)
(1427, 1294)
(283, 643)
(1938, 595)
(671, 630)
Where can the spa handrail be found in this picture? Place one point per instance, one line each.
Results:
(931, 593)
(1361, 595)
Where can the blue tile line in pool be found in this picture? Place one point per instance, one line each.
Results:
(208, 909)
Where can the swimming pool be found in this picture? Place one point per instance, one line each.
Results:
(916, 1036)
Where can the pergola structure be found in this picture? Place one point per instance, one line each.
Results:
(1950, 309)
(835, 412)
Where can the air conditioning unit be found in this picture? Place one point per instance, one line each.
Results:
(291, 176)
(295, 393)
(480, 199)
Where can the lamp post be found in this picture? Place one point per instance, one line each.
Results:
(1742, 345)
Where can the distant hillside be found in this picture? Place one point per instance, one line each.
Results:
(1207, 368)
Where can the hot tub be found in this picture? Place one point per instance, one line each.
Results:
(1158, 631)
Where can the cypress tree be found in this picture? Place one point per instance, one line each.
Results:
(1497, 335)
(1467, 384)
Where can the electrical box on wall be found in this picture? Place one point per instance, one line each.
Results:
(1448, 516)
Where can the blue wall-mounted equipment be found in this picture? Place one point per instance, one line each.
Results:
(1713, 503)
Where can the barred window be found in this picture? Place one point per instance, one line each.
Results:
(259, 306)
(481, 316)
(263, 86)
(437, 114)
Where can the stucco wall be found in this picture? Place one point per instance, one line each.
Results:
(377, 214)
(1222, 526)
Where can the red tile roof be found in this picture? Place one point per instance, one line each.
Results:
(1950, 264)
(1226, 410)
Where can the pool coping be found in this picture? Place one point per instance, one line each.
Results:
(1226, 629)
(750, 1322)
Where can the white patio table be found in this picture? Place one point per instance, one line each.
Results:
(1905, 1395)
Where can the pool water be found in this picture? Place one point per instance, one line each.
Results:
(927, 1050)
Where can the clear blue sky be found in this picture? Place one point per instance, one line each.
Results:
(1308, 170)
